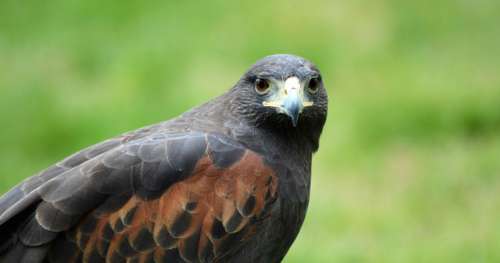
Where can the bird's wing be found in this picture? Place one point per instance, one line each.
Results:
(24, 194)
(188, 197)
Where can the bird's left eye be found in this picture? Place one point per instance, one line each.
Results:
(314, 85)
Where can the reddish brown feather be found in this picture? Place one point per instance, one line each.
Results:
(191, 210)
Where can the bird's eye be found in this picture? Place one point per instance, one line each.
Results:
(314, 84)
(261, 86)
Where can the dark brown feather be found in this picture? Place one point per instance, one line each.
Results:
(196, 217)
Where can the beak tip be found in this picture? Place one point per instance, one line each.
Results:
(293, 111)
(295, 119)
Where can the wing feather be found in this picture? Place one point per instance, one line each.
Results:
(164, 197)
(200, 221)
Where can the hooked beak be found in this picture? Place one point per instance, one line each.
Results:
(290, 99)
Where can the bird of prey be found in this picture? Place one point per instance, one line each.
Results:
(227, 181)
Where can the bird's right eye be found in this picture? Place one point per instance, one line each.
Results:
(261, 86)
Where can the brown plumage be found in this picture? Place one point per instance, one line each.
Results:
(225, 182)
(194, 219)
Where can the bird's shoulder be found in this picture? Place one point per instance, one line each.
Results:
(156, 189)
(201, 217)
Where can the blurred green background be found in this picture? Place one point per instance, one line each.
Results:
(409, 164)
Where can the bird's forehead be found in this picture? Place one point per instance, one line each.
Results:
(284, 66)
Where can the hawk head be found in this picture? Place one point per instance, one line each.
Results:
(285, 91)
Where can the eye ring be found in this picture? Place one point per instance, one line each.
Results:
(314, 84)
(262, 86)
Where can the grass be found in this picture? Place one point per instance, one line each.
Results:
(408, 167)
